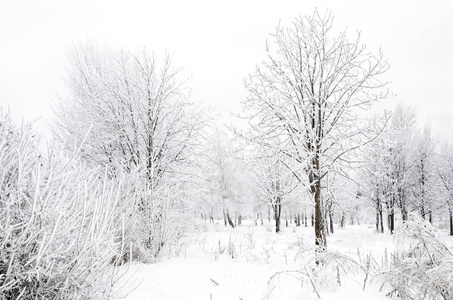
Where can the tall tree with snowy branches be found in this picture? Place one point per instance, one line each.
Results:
(309, 91)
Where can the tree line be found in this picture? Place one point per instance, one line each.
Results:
(135, 161)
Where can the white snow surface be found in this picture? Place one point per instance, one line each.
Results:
(251, 262)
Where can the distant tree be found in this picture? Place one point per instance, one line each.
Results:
(445, 172)
(424, 185)
(309, 91)
(399, 162)
(341, 196)
(375, 172)
(275, 184)
(226, 180)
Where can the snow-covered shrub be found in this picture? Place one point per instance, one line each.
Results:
(322, 269)
(57, 223)
(422, 266)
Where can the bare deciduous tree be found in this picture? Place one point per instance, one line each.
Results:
(424, 173)
(445, 172)
(274, 182)
(140, 122)
(309, 91)
(374, 174)
(225, 177)
(138, 108)
(398, 164)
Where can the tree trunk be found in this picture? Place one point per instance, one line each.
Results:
(343, 220)
(403, 205)
(391, 221)
(331, 222)
(391, 214)
(211, 216)
(404, 214)
(277, 215)
(326, 224)
(422, 209)
(422, 183)
(320, 231)
(227, 214)
(378, 211)
(451, 220)
(450, 210)
(377, 220)
(382, 220)
(225, 219)
(277, 212)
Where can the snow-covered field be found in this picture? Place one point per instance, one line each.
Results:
(254, 263)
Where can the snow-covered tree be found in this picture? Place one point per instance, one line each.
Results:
(136, 109)
(343, 198)
(424, 174)
(399, 163)
(445, 172)
(308, 91)
(275, 185)
(226, 183)
(131, 113)
(374, 174)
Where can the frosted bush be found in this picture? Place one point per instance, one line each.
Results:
(57, 223)
(422, 266)
(321, 269)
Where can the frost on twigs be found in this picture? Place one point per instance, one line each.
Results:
(422, 265)
(319, 270)
(56, 223)
(327, 267)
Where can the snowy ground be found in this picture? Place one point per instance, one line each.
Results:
(254, 263)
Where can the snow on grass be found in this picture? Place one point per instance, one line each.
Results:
(252, 262)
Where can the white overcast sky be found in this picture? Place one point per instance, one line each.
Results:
(219, 43)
